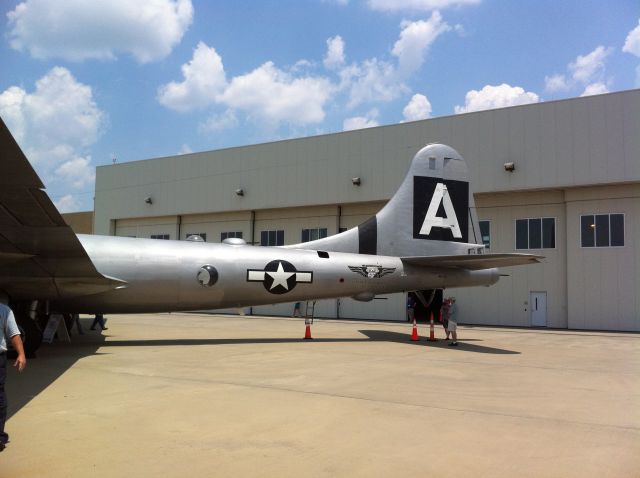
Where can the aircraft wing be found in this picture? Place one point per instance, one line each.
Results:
(473, 261)
(40, 256)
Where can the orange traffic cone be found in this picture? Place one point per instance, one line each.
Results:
(432, 335)
(307, 333)
(414, 333)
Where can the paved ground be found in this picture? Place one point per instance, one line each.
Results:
(201, 396)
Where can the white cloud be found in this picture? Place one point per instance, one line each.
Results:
(376, 80)
(266, 94)
(273, 95)
(591, 66)
(77, 171)
(226, 120)
(418, 108)
(185, 149)
(54, 125)
(632, 45)
(67, 203)
(415, 39)
(556, 83)
(360, 122)
(595, 89)
(76, 30)
(335, 53)
(427, 5)
(204, 80)
(632, 42)
(500, 96)
(371, 81)
(12, 102)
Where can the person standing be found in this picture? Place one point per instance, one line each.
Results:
(445, 317)
(411, 307)
(99, 320)
(453, 321)
(296, 309)
(8, 331)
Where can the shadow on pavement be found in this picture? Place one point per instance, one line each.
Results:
(465, 345)
(51, 361)
(55, 359)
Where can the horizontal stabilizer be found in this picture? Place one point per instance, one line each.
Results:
(473, 261)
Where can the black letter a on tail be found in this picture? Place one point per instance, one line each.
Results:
(440, 209)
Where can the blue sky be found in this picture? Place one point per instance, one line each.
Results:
(85, 81)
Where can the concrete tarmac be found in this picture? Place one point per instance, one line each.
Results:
(177, 395)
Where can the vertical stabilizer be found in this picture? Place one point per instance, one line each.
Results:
(432, 213)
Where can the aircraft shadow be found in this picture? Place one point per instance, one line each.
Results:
(370, 335)
(53, 360)
(464, 345)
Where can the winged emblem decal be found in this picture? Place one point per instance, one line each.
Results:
(371, 271)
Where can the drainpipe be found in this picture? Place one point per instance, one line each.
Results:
(253, 228)
(339, 216)
(253, 232)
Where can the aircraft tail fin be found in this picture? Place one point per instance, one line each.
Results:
(432, 213)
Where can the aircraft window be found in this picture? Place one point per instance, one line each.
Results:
(323, 254)
(602, 230)
(160, 236)
(313, 234)
(227, 235)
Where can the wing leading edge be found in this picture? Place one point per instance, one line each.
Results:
(40, 256)
(473, 262)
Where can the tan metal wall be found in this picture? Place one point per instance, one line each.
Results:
(571, 157)
(556, 144)
(506, 303)
(80, 222)
(604, 282)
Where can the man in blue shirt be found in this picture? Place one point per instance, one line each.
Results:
(8, 330)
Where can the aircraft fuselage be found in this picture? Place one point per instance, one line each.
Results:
(178, 275)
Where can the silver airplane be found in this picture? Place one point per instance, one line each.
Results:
(425, 238)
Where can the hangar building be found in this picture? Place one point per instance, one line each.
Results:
(571, 195)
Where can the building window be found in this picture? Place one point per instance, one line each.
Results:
(160, 236)
(485, 233)
(341, 230)
(272, 238)
(536, 233)
(313, 234)
(203, 235)
(227, 235)
(602, 230)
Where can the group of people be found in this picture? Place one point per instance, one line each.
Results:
(448, 316)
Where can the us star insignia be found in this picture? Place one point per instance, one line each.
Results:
(279, 276)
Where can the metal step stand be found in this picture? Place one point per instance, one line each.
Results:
(308, 318)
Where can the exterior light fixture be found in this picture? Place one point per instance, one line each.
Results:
(239, 192)
(509, 167)
(148, 200)
(355, 181)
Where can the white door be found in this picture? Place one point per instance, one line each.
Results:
(538, 309)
